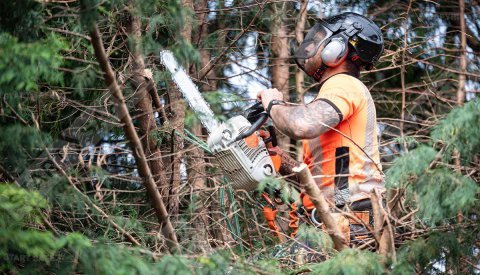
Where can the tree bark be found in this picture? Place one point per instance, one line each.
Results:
(143, 85)
(299, 75)
(195, 156)
(463, 54)
(299, 28)
(178, 121)
(280, 65)
(135, 143)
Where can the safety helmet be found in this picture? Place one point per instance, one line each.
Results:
(339, 33)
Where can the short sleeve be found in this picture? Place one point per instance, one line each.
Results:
(344, 95)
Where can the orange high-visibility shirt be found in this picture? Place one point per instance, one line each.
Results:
(345, 162)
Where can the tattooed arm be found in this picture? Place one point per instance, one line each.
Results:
(298, 122)
(305, 121)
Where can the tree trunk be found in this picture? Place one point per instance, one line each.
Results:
(299, 75)
(280, 65)
(463, 55)
(195, 157)
(143, 85)
(178, 121)
(135, 143)
(299, 28)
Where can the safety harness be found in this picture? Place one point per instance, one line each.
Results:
(358, 219)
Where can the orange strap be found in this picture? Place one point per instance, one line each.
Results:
(270, 215)
(293, 220)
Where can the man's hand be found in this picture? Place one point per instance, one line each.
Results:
(268, 95)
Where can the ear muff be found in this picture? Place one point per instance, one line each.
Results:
(335, 52)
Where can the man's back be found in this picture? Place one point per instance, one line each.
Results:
(346, 158)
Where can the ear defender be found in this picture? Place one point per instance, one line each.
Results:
(335, 52)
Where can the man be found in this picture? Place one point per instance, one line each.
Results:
(338, 129)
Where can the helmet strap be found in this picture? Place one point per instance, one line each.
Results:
(317, 75)
(355, 58)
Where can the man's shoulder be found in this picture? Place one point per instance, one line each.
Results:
(343, 83)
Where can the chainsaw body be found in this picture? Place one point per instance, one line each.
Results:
(235, 144)
(245, 160)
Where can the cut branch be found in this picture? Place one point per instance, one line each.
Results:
(322, 206)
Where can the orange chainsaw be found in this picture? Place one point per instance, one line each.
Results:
(235, 143)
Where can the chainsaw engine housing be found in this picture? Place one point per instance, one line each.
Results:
(246, 162)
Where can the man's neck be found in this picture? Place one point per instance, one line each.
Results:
(332, 71)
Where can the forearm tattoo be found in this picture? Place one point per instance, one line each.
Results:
(305, 121)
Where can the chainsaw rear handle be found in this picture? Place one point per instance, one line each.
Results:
(262, 119)
(273, 136)
(257, 116)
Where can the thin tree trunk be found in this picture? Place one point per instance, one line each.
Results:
(463, 55)
(196, 157)
(208, 74)
(280, 65)
(299, 28)
(135, 143)
(299, 75)
(402, 77)
(383, 228)
(141, 83)
(178, 121)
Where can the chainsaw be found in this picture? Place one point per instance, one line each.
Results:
(235, 143)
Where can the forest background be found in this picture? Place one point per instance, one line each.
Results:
(104, 168)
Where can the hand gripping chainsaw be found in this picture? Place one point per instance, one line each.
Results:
(235, 143)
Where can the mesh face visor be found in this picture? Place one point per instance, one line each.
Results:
(310, 45)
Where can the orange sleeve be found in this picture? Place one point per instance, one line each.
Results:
(344, 97)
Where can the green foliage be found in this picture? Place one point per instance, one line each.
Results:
(58, 192)
(104, 259)
(24, 65)
(460, 131)
(442, 194)
(18, 143)
(21, 18)
(428, 255)
(166, 20)
(89, 12)
(350, 261)
(409, 167)
(84, 78)
(19, 207)
(315, 238)
(174, 264)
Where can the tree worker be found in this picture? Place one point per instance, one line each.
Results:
(339, 128)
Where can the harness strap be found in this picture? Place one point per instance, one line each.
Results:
(270, 216)
(293, 224)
